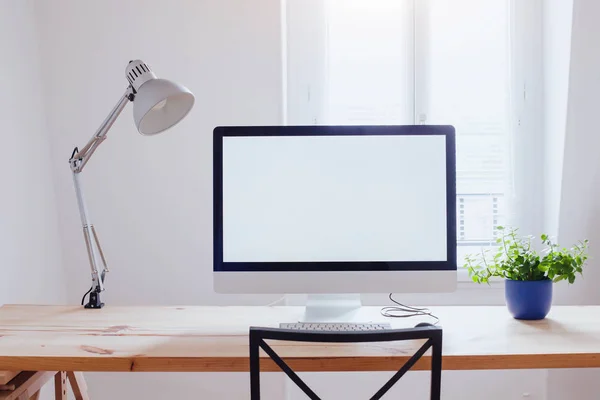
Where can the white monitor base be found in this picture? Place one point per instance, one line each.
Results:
(321, 308)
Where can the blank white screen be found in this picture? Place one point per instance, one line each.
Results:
(334, 198)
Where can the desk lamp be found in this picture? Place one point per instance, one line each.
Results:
(158, 104)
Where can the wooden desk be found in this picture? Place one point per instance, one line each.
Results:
(215, 339)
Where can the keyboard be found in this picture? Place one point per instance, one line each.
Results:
(335, 327)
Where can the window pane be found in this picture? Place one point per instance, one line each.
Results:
(463, 52)
(369, 59)
(385, 62)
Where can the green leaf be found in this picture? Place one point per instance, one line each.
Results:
(514, 258)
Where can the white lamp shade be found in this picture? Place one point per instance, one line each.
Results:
(159, 104)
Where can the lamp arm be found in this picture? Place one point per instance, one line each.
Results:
(81, 156)
(78, 160)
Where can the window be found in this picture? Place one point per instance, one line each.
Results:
(422, 62)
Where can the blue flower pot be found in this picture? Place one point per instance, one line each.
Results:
(528, 300)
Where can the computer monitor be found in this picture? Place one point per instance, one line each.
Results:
(334, 209)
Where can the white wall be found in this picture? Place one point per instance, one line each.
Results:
(30, 253)
(456, 385)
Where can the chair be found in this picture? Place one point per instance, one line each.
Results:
(431, 333)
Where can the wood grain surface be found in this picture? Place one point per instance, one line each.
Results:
(202, 339)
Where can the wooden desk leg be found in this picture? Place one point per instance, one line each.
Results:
(78, 385)
(24, 396)
(60, 385)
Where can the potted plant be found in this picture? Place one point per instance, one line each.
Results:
(529, 274)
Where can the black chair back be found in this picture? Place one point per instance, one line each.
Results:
(433, 336)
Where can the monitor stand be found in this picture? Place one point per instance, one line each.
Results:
(331, 308)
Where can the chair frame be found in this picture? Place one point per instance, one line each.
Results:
(432, 334)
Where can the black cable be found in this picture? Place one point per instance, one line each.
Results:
(403, 311)
(86, 293)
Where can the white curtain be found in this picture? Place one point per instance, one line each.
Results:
(578, 211)
(573, 184)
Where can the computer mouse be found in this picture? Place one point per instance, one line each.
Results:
(423, 325)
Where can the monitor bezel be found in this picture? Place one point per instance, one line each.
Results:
(340, 266)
